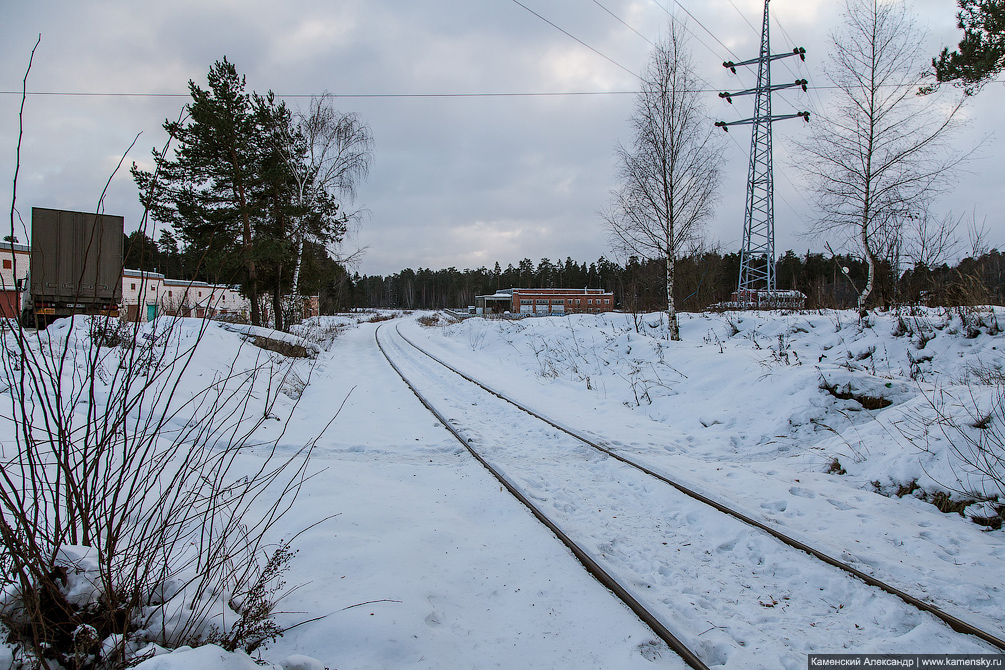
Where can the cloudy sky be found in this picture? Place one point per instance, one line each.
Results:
(460, 178)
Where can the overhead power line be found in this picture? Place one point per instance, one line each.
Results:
(378, 96)
(622, 22)
(683, 24)
(695, 19)
(96, 94)
(568, 34)
(505, 94)
(744, 17)
(683, 27)
(540, 94)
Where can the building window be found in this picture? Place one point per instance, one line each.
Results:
(132, 287)
(590, 301)
(526, 302)
(6, 264)
(169, 294)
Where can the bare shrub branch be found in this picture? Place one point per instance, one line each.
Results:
(136, 503)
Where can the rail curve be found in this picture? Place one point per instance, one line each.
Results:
(603, 576)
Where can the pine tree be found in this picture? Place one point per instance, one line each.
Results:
(207, 190)
(172, 261)
(981, 52)
(277, 206)
(141, 252)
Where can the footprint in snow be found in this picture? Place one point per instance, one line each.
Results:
(651, 650)
(726, 546)
(840, 505)
(776, 506)
(802, 493)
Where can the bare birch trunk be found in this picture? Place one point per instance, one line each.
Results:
(298, 246)
(671, 308)
(870, 259)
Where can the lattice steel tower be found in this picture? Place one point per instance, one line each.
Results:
(757, 257)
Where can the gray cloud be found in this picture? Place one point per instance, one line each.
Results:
(457, 182)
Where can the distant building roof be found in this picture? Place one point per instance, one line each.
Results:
(186, 282)
(574, 291)
(507, 293)
(142, 273)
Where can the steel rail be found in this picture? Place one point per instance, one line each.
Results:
(953, 622)
(584, 558)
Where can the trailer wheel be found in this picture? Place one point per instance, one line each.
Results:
(29, 319)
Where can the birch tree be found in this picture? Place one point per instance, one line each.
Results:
(330, 153)
(669, 173)
(878, 154)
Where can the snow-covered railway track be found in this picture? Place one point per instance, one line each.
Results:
(666, 550)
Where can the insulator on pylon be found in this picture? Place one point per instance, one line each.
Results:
(757, 255)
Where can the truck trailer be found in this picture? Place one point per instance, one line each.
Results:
(75, 268)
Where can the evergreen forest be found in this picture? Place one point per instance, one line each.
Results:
(703, 280)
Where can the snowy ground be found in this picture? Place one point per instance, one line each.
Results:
(429, 565)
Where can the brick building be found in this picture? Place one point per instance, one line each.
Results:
(14, 261)
(545, 301)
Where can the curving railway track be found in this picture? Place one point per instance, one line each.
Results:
(690, 567)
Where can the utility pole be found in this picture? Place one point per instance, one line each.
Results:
(757, 256)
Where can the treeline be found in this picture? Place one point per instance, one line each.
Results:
(638, 285)
(439, 289)
(701, 282)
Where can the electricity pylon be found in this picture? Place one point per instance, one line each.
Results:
(757, 257)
